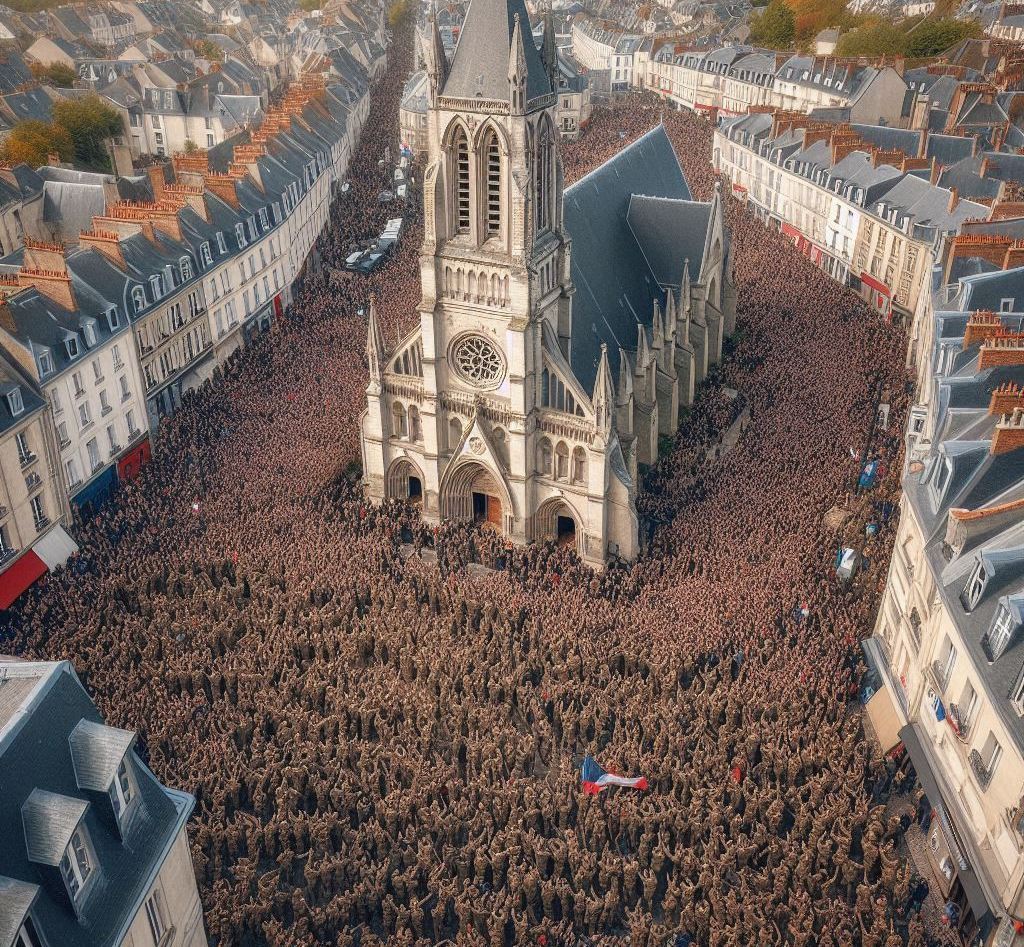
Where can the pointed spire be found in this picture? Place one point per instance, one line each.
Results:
(625, 376)
(643, 351)
(658, 326)
(684, 296)
(604, 393)
(434, 55)
(549, 53)
(517, 69)
(670, 314)
(375, 351)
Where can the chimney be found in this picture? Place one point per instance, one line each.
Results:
(1006, 398)
(125, 219)
(990, 247)
(156, 180)
(954, 199)
(982, 324)
(223, 185)
(191, 195)
(922, 143)
(53, 283)
(1004, 349)
(106, 242)
(1014, 255)
(1009, 433)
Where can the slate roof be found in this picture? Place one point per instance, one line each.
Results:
(39, 780)
(615, 286)
(16, 898)
(480, 65)
(96, 752)
(669, 232)
(33, 400)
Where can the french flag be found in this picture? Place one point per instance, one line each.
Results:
(595, 779)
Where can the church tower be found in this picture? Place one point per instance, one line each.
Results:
(477, 414)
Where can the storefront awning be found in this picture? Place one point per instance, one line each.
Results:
(930, 782)
(19, 575)
(884, 719)
(55, 548)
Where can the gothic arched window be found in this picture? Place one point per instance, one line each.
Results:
(492, 154)
(460, 149)
(542, 178)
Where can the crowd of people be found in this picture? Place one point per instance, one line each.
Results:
(385, 747)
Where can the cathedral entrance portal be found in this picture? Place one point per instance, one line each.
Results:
(556, 522)
(415, 491)
(566, 531)
(473, 493)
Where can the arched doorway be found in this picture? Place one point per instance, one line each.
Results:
(405, 482)
(557, 522)
(472, 492)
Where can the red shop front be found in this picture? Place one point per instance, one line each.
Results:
(130, 464)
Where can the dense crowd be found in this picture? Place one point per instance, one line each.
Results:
(386, 749)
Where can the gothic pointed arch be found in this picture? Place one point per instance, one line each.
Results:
(549, 522)
(404, 480)
(475, 468)
(459, 150)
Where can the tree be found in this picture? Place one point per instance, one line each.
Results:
(89, 122)
(877, 39)
(931, 37)
(207, 49)
(57, 74)
(775, 27)
(33, 141)
(310, 5)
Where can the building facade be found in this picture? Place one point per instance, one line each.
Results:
(95, 849)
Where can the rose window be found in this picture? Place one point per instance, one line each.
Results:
(477, 361)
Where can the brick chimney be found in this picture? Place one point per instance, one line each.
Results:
(52, 280)
(246, 158)
(981, 325)
(990, 247)
(156, 180)
(954, 199)
(190, 168)
(223, 185)
(1009, 433)
(1014, 255)
(191, 195)
(1006, 398)
(1005, 349)
(106, 242)
(44, 256)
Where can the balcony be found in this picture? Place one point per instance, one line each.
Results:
(940, 676)
(41, 523)
(96, 464)
(28, 459)
(33, 481)
(115, 449)
(961, 728)
(105, 411)
(64, 443)
(6, 555)
(980, 768)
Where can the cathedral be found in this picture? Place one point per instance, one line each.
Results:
(561, 329)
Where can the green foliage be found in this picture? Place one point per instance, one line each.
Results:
(90, 123)
(310, 5)
(33, 141)
(207, 49)
(931, 37)
(874, 39)
(58, 74)
(774, 27)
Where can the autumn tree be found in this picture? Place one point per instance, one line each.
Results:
(89, 122)
(56, 74)
(33, 141)
(774, 27)
(932, 37)
(881, 38)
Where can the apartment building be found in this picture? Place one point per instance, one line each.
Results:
(734, 80)
(947, 647)
(867, 215)
(95, 849)
(76, 344)
(34, 510)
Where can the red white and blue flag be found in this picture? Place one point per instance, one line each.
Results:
(595, 779)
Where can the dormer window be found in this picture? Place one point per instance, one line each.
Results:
(277, 212)
(113, 319)
(222, 246)
(998, 636)
(71, 346)
(206, 255)
(185, 266)
(76, 866)
(156, 286)
(240, 235)
(122, 790)
(974, 587)
(252, 228)
(45, 363)
(1006, 304)
(138, 298)
(264, 219)
(89, 331)
(15, 402)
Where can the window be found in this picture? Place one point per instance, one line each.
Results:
(461, 151)
(93, 450)
(15, 401)
(493, 183)
(118, 362)
(1018, 695)
(130, 418)
(38, 512)
(185, 267)
(24, 451)
(113, 319)
(155, 916)
(156, 285)
(240, 235)
(138, 298)
(1006, 304)
(945, 665)
(222, 246)
(264, 220)
(998, 636)
(122, 792)
(89, 330)
(97, 370)
(45, 363)
(72, 468)
(104, 402)
(76, 865)
(974, 587)
(245, 301)
(71, 345)
(207, 256)
(84, 416)
(62, 434)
